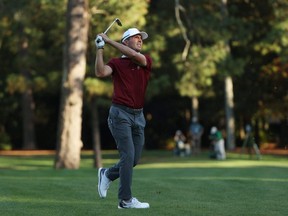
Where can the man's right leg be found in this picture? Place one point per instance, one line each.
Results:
(120, 123)
(103, 182)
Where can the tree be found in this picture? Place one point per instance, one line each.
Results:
(191, 89)
(17, 18)
(28, 104)
(96, 89)
(69, 141)
(260, 87)
(203, 49)
(18, 14)
(229, 92)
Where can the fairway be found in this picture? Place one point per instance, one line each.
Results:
(172, 185)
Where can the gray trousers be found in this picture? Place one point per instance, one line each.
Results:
(127, 127)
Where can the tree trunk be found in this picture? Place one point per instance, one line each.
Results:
(229, 95)
(28, 105)
(96, 134)
(28, 120)
(195, 106)
(69, 141)
(229, 107)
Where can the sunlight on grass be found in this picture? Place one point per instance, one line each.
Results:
(150, 160)
(235, 178)
(214, 164)
(26, 163)
(36, 200)
(110, 161)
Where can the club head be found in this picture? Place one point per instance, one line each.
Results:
(118, 21)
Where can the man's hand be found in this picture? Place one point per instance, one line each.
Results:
(99, 42)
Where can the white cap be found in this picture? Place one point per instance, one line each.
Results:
(133, 31)
(213, 130)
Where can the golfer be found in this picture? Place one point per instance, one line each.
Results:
(130, 74)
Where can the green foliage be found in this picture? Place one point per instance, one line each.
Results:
(265, 51)
(104, 12)
(199, 68)
(39, 26)
(207, 30)
(96, 87)
(5, 141)
(276, 40)
(156, 86)
(16, 83)
(231, 66)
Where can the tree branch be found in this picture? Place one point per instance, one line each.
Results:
(183, 30)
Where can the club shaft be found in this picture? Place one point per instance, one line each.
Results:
(110, 26)
(116, 20)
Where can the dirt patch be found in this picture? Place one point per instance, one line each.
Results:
(274, 151)
(26, 152)
(268, 151)
(283, 152)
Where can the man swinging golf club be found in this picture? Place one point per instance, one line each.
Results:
(130, 74)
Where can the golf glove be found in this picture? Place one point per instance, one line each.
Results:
(99, 42)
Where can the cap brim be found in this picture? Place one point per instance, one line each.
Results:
(144, 35)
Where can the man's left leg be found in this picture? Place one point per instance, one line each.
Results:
(138, 136)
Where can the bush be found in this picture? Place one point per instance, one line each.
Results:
(5, 142)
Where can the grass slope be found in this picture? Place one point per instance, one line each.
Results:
(173, 186)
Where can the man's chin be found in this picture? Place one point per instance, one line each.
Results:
(137, 50)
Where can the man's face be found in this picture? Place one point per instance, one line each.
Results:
(135, 42)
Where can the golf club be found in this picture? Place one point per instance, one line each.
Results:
(117, 20)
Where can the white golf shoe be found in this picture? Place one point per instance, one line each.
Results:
(103, 183)
(133, 203)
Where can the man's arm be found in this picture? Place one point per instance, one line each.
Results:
(137, 57)
(101, 70)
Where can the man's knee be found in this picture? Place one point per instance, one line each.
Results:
(127, 158)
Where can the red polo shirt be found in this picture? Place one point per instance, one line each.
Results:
(130, 81)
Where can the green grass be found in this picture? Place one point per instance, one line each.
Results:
(173, 186)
